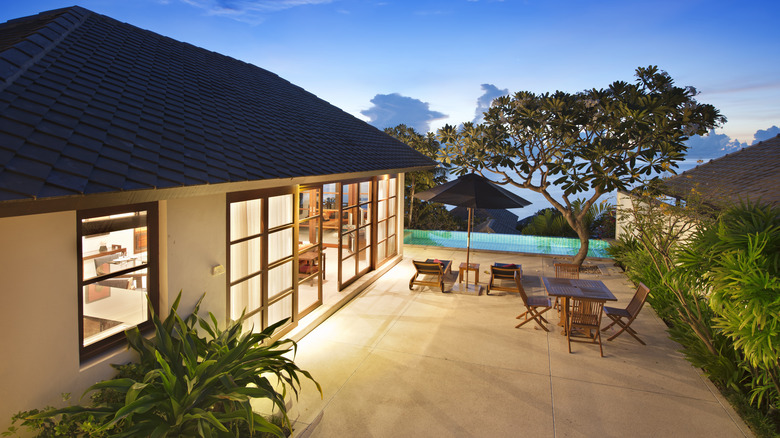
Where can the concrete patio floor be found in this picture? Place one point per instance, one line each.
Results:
(395, 362)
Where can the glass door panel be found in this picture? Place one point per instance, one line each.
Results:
(355, 241)
(245, 296)
(245, 258)
(280, 245)
(311, 259)
(280, 310)
(279, 280)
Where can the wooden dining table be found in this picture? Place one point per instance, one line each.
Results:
(566, 288)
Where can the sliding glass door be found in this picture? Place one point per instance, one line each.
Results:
(260, 257)
(277, 242)
(311, 259)
(355, 231)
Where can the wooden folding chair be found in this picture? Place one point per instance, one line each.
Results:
(430, 268)
(585, 319)
(532, 306)
(565, 270)
(503, 272)
(629, 313)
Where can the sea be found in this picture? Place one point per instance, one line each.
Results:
(538, 201)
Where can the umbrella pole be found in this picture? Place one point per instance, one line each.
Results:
(468, 247)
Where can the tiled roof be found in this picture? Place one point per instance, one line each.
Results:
(89, 104)
(751, 173)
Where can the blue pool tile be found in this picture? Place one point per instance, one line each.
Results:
(505, 242)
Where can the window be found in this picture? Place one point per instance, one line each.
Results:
(117, 274)
(261, 279)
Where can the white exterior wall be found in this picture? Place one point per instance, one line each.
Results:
(39, 290)
(623, 205)
(39, 327)
(196, 242)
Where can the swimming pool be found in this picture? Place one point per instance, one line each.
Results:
(505, 242)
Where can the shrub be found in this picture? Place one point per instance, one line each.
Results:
(599, 220)
(715, 284)
(185, 384)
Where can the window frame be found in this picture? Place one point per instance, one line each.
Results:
(390, 233)
(152, 272)
(262, 312)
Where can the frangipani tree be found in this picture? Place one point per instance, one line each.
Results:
(599, 140)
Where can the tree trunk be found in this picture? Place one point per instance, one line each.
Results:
(584, 242)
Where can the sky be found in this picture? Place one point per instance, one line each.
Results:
(429, 63)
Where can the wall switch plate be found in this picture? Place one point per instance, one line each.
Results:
(217, 270)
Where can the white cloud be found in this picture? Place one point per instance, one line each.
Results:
(491, 92)
(766, 134)
(250, 11)
(390, 110)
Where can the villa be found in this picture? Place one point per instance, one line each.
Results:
(134, 166)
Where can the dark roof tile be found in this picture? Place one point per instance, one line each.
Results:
(7, 68)
(22, 184)
(39, 153)
(72, 182)
(94, 186)
(146, 176)
(74, 166)
(54, 129)
(9, 142)
(52, 190)
(104, 174)
(30, 167)
(51, 142)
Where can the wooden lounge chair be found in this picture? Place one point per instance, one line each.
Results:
(503, 272)
(585, 322)
(430, 268)
(532, 306)
(629, 313)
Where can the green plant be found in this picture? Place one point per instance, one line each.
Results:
(739, 259)
(550, 222)
(678, 296)
(186, 384)
(714, 281)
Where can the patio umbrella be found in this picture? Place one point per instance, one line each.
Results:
(472, 191)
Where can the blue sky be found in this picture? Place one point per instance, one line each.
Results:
(427, 63)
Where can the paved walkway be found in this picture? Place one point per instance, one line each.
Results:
(401, 363)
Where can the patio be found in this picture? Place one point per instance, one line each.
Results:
(395, 362)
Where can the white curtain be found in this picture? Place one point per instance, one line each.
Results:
(245, 257)
(280, 210)
(280, 246)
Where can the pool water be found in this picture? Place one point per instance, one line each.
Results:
(505, 242)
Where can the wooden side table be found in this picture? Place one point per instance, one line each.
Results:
(470, 267)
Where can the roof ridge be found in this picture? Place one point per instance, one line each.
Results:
(36, 42)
